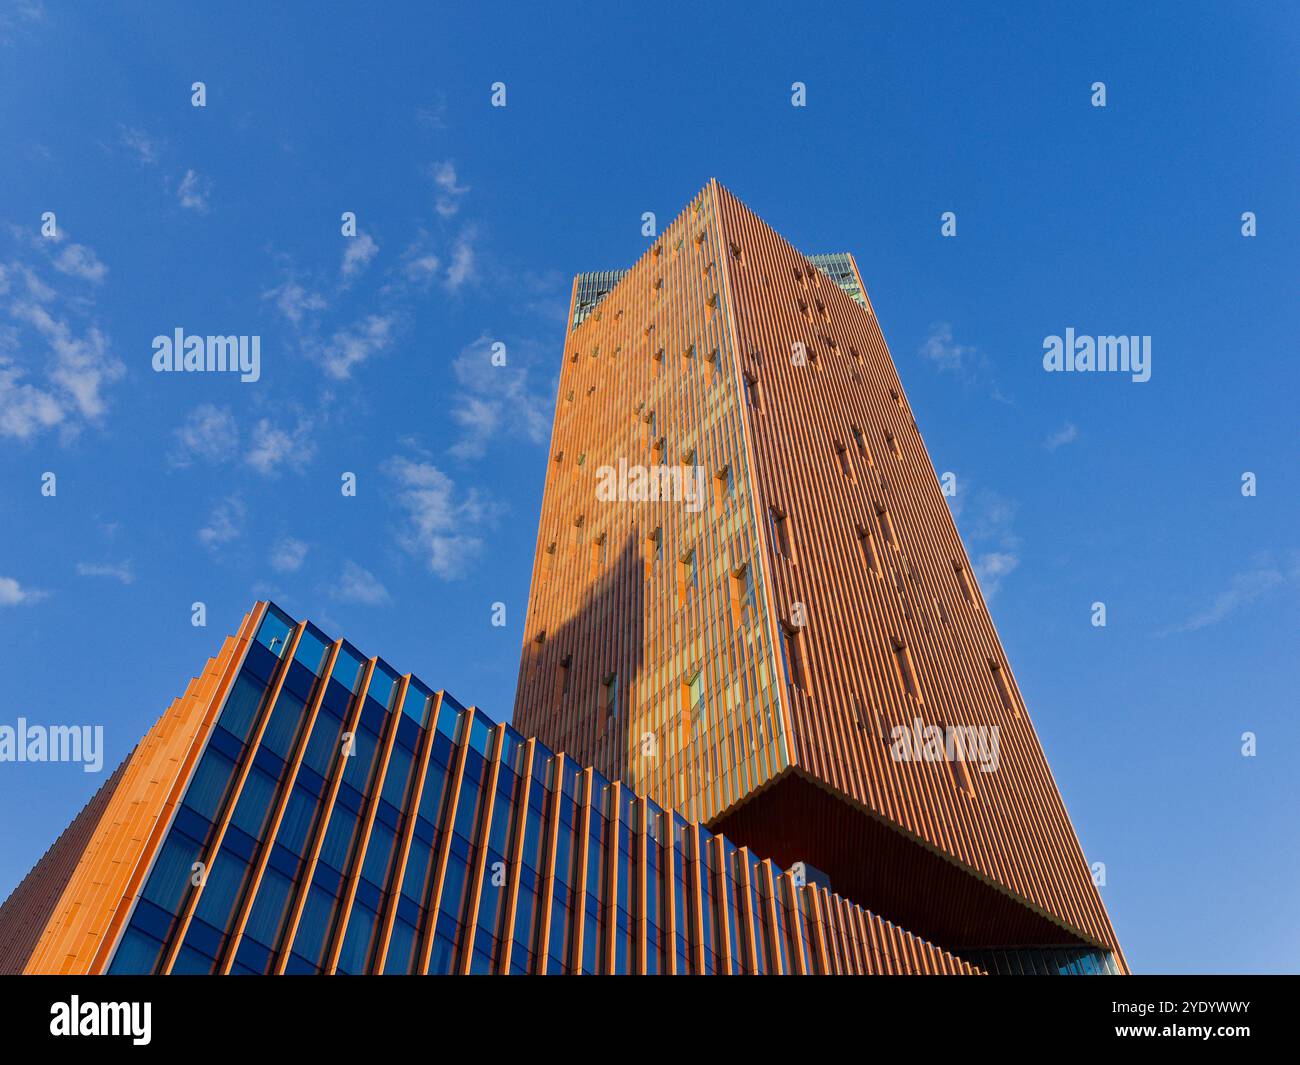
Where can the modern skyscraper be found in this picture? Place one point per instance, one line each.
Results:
(305, 809)
(798, 655)
(775, 730)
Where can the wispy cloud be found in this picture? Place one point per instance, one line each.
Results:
(273, 449)
(495, 401)
(1244, 588)
(77, 260)
(988, 525)
(225, 524)
(45, 329)
(433, 115)
(450, 192)
(140, 144)
(288, 555)
(294, 301)
(1066, 434)
(18, 19)
(14, 594)
(118, 571)
(193, 192)
(965, 361)
(441, 527)
(991, 567)
(353, 345)
(944, 353)
(209, 433)
(421, 265)
(357, 253)
(357, 585)
(83, 364)
(462, 266)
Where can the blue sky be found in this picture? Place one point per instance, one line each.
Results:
(175, 488)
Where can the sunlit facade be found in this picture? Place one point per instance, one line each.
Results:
(747, 654)
(306, 809)
(701, 774)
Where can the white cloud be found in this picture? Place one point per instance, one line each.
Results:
(991, 567)
(357, 585)
(987, 520)
(193, 192)
(288, 555)
(495, 399)
(76, 360)
(24, 409)
(422, 266)
(272, 449)
(358, 253)
(447, 201)
(944, 352)
(1067, 434)
(434, 116)
(77, 260)
(209, 433)
(18, 19)
(353, 345)
(964, 361)
(141, 144)
(118, 571)
(1243, 589)
(294, 301)
(440, 528)
(461, 268)
(14, 594)
(225, 524)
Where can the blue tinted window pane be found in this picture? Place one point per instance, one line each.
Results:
(448, 714)
(480, 734)
(325, 743)
(313, 649)
(401, 949)
(270, 908)
(240, 711)
(417, 702)
(208, 787)
(221, 890)
(254, 802)
(286, 718)
(273, 633)
(383, 683)
(170, 879)
(361, 759)
(137, 954)
(314, 926)
(348, 667)
(297, 821)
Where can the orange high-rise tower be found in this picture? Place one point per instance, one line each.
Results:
(750, 602)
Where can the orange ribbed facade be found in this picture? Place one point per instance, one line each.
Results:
(67, 913)
(438, 842)
(752, 656)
